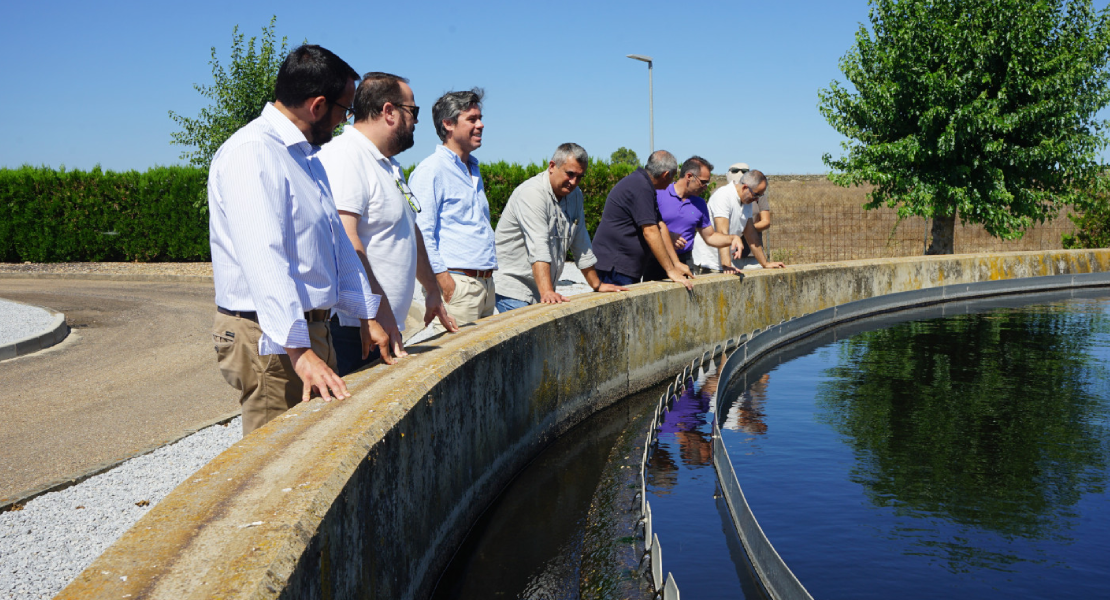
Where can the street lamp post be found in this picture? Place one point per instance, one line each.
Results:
(651, 107)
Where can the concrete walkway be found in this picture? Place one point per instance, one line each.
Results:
(137, 370)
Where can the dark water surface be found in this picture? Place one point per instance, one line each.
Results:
(963, 456)
(956, 451)
(546, 534)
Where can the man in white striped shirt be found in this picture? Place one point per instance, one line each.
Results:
(280, 258)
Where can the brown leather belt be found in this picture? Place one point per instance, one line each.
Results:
(312, 316)
(472, 273)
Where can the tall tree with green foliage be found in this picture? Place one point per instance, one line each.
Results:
(238, 95)
(624, 156)
(984, 109)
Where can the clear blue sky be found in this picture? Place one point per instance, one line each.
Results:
(91, 83)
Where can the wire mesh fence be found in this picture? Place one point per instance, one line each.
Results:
(815, 221)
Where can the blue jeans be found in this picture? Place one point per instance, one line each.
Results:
(505, 303)
(348, 348)
(615, 278)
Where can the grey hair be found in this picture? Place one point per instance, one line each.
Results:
(570, 150)
(753, 179)
(694, 165)
(449, 105)
(660, 162)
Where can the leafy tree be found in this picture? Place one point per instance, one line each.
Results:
(238, 95)
(1093, 226)
(979, 108)
(624, 156)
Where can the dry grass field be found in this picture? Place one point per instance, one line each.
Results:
(816, 221)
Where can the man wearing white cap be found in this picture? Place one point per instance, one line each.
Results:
(762, 220)
(730, 207)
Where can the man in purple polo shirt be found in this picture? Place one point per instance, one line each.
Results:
(630, 230)
(685, 214)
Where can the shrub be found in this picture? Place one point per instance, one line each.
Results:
(77, 216)
(49, 215)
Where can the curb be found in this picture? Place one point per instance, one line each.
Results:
(56, 333)
(25, 496)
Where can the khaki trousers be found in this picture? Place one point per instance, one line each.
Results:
(474, 299)
(268, 385)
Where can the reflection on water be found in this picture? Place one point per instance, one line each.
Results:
(746, 412)
(702, 553)
(985, 420)
(968, 455)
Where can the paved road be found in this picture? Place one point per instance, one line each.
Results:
(137, 370)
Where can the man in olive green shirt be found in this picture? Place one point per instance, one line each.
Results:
(543, 219)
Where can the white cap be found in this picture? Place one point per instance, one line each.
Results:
(736, 171)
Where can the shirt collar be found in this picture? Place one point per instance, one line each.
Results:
(285, 129)
(365, 142)
(450, 155)
(670, 190)
(545, 184)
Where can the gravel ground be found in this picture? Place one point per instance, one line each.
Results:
(56, 536)
(198, 269)
(19, 321)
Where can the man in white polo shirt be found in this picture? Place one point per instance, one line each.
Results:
(730, 208)
(378, 211)
(761, 216)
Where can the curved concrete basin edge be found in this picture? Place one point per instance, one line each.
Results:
(370, 496)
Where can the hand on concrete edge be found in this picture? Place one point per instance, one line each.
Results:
(434, 308)
(316, 375)
(609, 287)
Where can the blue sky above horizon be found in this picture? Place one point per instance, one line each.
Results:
(733, 81)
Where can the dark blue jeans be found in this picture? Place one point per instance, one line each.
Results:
(615, 278)
(505, 303)
(348, 348)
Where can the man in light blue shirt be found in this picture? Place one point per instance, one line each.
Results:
(455, 219)
(280, 258)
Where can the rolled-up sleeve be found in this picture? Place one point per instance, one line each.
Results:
(250, 183)
(422, 184)
(580, 245)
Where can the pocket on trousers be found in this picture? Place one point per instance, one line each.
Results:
(227, 358)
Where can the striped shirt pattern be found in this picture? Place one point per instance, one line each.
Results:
(273, 229)
(454, 219)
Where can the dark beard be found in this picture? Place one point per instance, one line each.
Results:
(401, 140)
(319, 132)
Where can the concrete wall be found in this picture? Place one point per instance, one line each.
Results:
(370, 496)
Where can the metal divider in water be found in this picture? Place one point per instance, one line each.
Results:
(667, 588)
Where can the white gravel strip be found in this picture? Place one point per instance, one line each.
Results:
(20, 321)
(57, 535)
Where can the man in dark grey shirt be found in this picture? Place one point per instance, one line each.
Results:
(631, 228)
(543, 219)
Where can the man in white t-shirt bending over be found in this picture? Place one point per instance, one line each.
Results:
(378, 212)
(730, 208)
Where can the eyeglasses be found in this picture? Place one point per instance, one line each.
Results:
(407, 193)
(734, 170)
(349, 111)
(704, 182)
(415, 110)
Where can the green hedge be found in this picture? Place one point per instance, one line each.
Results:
(49, 215)
(79, 216)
